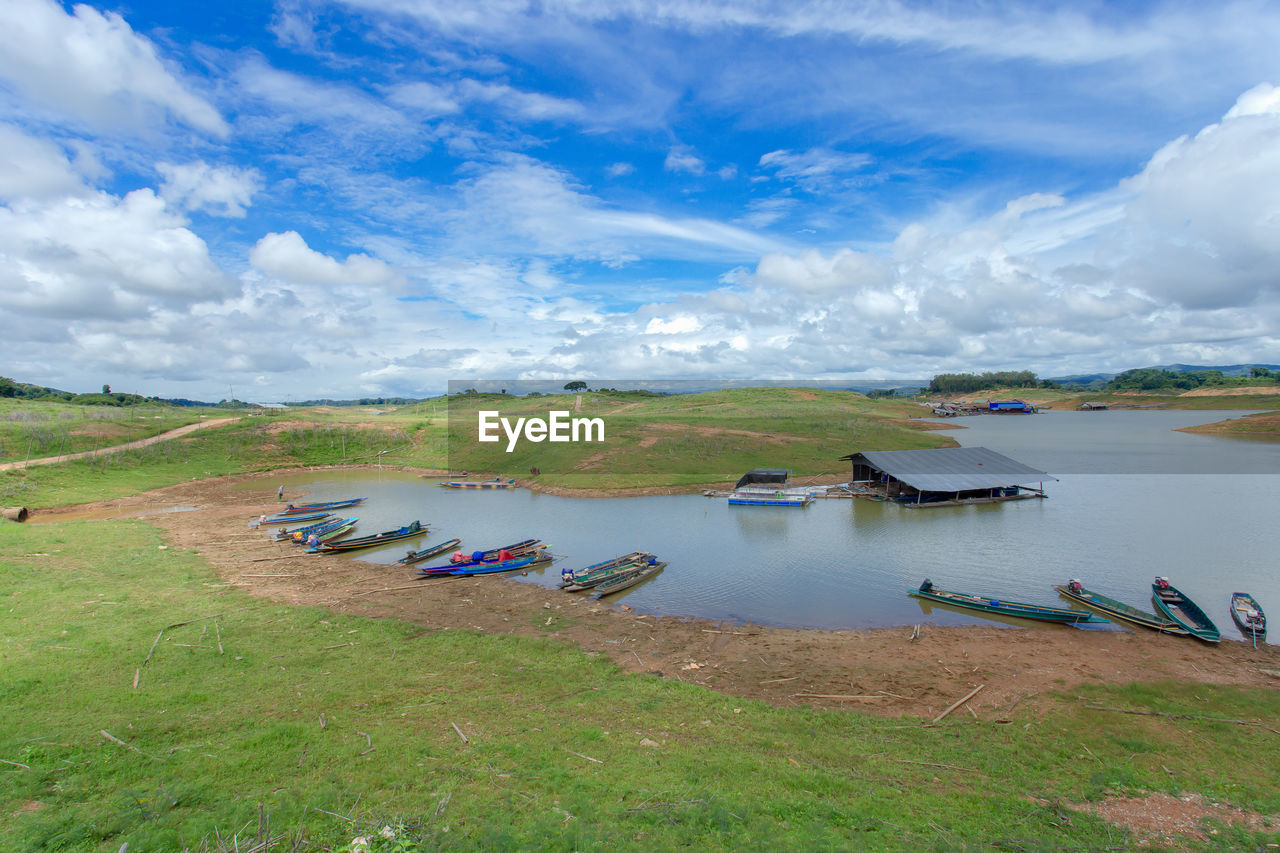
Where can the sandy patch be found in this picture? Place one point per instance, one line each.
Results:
(1165, 819)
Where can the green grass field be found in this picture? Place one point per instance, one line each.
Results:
(334, 726)
(31, 429)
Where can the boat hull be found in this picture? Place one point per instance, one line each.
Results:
(1241, 604)
(1021, 610)
(1124, 612)
(1182, 610)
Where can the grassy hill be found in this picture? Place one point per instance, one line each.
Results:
(687, 439)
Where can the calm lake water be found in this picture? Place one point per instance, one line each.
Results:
(1133, 499)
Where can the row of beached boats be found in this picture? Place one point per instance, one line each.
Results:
(326, 533)
(1175, 613)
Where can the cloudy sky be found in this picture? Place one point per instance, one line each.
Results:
(372, 197)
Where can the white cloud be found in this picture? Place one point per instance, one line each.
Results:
(34, 168)
(426, 99)
(222, 190)
(816, 170)
(93, 66)
(681, 158)
(288, 258)
(528, 105)
(99, 255)
(620, 170)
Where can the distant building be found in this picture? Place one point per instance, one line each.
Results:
(1093, 406)
(1010, 407)
(944, 476)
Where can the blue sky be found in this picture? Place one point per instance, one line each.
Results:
(372, 198)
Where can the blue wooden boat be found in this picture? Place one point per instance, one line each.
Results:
(482, 558)
(286, 519)
(479, 484)
(289, 532)
(383, 538)
(1060, 615)
(303, 509)
(526, 562)
(319, 529)
(1172, 603)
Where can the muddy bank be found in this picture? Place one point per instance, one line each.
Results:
(882, 670)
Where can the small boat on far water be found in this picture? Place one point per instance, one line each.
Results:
(1075, 590)
(479, 484)
(1247, 613)
(1061, 615)
(1172, 603)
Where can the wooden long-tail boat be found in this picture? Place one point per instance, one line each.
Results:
(481, 558)
(329, 506)
(572, 580)
(384, 538)
(1247, 613)
(630, 579)
(331, 535)
(1075, 590)
(527, 561)
(479, 484)
(286, 519)
(1181, 609)
(320, 528)
(285, 533)
(427, 553)
(1060, 615)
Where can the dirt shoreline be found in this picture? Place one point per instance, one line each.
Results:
(880, 670)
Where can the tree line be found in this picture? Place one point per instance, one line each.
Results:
(964, 383)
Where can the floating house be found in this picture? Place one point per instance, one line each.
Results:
(768, 487)
(945, 476)
(1094, 406)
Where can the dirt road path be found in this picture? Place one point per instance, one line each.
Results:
(142, 442)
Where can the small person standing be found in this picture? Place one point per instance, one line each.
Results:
(280, 494)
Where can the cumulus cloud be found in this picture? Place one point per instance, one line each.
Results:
(288, 258)
(34, 168)
(99, 255)
(222, 190)
(94, 67)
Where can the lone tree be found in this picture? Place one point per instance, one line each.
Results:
(576, 385)
(106, 389)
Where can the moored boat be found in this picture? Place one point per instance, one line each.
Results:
(573, 580)
(629, 579)
(770, 499)
(319, 529)
(1075, 590)
(427, 553)
(386, 537)
(328, 506)
(480, 558)
(287, 519)
(1181, 609)
(528, 561)
(479, 484)
(286, 533)
(1060, 615)
(333, 534)
(1247, 613)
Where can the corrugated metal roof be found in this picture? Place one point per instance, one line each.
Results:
(951, 469)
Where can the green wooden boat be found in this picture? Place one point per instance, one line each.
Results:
(572, 580)
(1060, 615)
(1172, 603)
(629, 579)
(384, 538)
(1129, 614)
